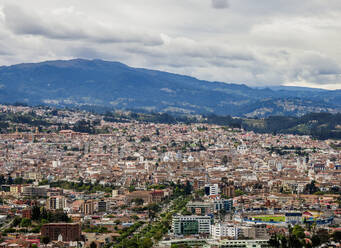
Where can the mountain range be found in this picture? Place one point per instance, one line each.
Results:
(113, 85)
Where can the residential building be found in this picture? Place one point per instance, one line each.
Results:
(56, 202)
(211, 189)
(200, 208)
(221, 230)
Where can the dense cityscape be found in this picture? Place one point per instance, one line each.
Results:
(138, 184)
(170, 124)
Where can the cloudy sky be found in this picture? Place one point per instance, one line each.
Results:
(256, 42)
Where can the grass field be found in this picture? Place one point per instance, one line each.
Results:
(275, 218)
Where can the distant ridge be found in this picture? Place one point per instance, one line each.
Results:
(292, 88)
(113, 85)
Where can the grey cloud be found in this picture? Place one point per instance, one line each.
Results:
(24, 23)
(90, 51)
(220, 4)
(189, 49)
(85, 52)
(4, 52)
(316, 68)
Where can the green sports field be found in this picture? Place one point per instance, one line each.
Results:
(276, 218)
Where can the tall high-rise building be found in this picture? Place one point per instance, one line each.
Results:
(88, 207)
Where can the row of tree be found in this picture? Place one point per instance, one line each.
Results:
(9, 180)
(40, 214)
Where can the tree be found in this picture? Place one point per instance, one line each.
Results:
(337, 236)
(129, 243)
(294, 242)
(224, 160)
(25, 222)
(323, 235)
(298, 231)
(131, 188)
(83, 126)
(10, 180)
(146, 243)
(59, 216)
(274, 242)
(315, 240)
(145, 139)
(2, 180)
(238, 192)
(138, 201)
(335, 189)
(222, 214)
(158, 235)
(135, 217)
(283, 241)
(18, 180)
(186, 212)
(180, 246)
(188, 188)
(43, 214)
(35, 213)
(45, 240)
(105, 147)
(16, 221)
(154, 207)
(311, 188)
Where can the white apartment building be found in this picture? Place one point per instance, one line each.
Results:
(221, 230)
(211, 189)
